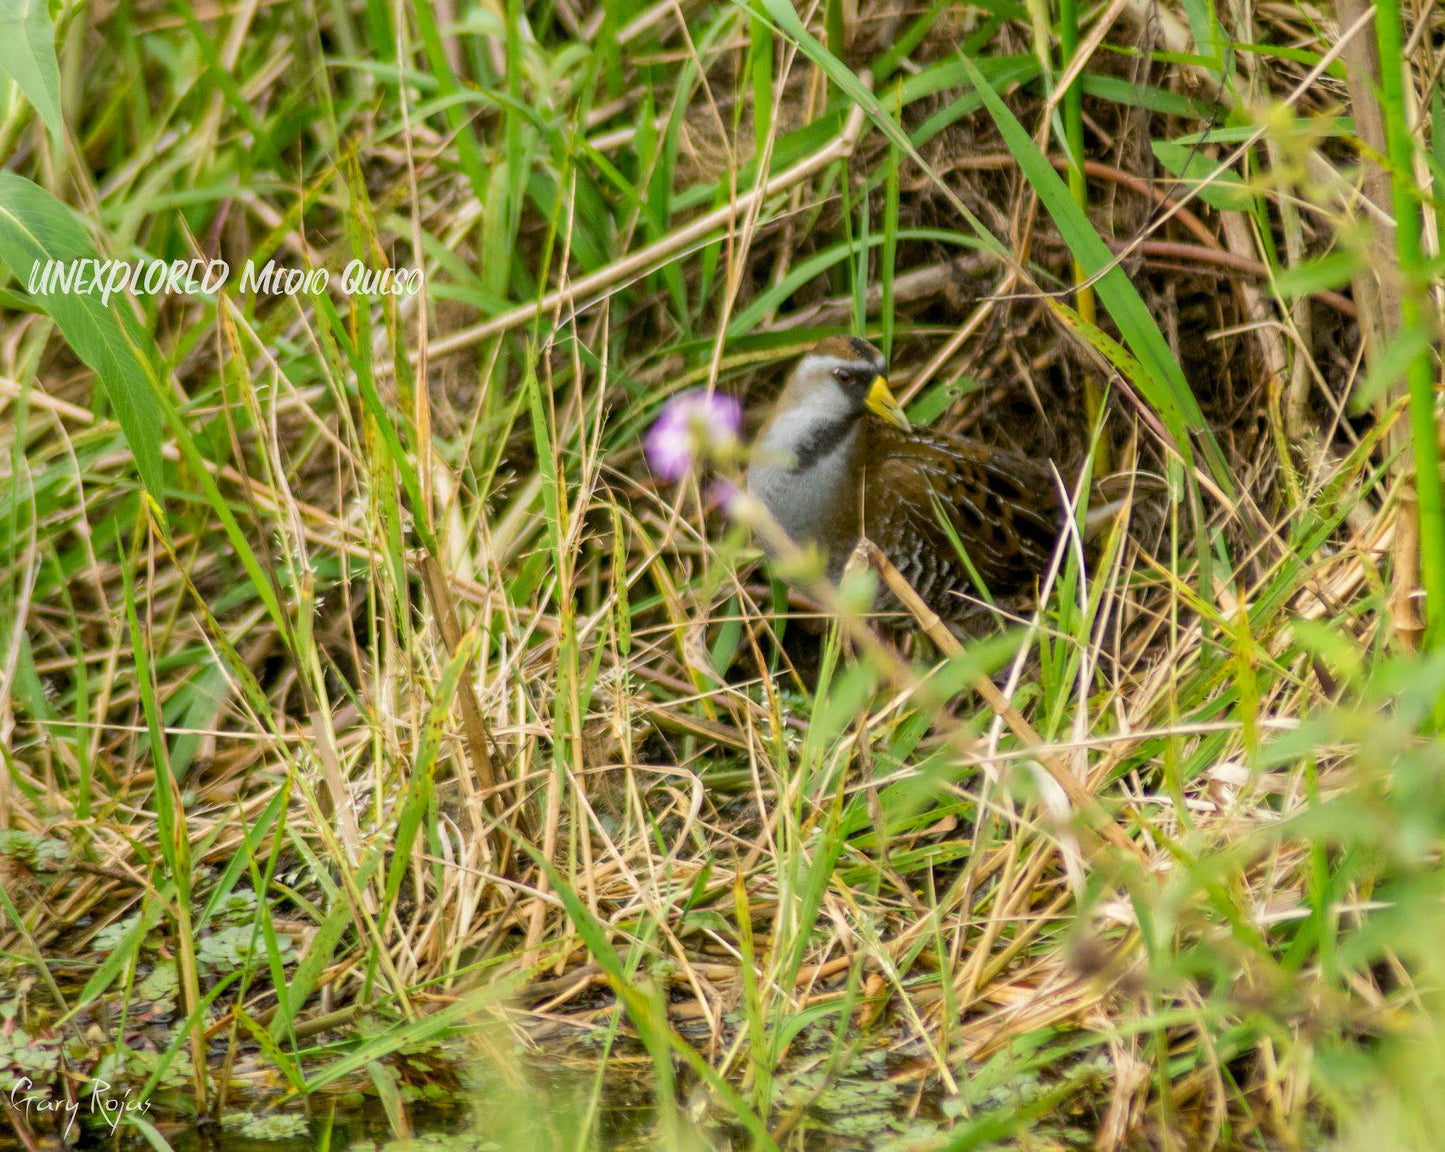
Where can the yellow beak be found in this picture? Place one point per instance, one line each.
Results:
(880, 402)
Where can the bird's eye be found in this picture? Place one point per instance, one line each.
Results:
(841, 375)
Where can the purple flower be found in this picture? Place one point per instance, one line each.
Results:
(694, 425)
(726, 495)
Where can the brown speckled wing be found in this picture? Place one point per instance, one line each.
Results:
(1004, 508)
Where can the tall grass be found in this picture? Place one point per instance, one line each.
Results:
(367, 708)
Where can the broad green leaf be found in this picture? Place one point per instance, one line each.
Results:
(1334, 270)
(27, 56)
(1118, 90)
(36, 227)
(1226, 191)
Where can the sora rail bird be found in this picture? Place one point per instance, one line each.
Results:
(838, 460)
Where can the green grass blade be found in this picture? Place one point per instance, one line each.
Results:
(34, 228)
(1167, 389)
(27, 56)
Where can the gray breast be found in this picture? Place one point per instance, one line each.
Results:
(799, 471)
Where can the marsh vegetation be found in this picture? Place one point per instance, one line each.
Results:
(371, 715)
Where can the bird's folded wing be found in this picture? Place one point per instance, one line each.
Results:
(1002, 508)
